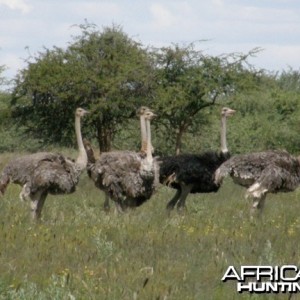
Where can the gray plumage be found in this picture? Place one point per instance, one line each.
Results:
(127, 177)
(19, 170)
(262, 173)
(122, 177)
(45, 173)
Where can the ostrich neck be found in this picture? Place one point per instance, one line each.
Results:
(148, 144)
(224, 148)
(143, 134)
(81, 160)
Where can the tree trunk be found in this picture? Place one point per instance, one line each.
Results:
(104, 138)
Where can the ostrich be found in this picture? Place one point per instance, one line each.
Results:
(46, 173)
(194, 173)
(129, 178)
(261, 173)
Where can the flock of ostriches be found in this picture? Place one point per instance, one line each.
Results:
(130, 178)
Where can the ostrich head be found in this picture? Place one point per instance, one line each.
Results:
(149, 114)
(140, 111)
(227, 112)
(80, 112)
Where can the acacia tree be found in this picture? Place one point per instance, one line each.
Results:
(104, 71)
(189, 81)
(3, 80)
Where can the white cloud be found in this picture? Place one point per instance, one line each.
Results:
(16, 5)
(96, 9)
(162, 16)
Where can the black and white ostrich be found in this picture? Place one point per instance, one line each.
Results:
(127, 177)
(261, 173)
(194, 173)
(46, 173)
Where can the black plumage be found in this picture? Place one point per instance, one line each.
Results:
(194, 173)
(192, 169)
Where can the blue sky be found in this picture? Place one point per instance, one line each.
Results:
(26, 26)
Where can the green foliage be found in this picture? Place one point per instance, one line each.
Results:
(13, 137)
(111, 75)
(289, 80)
(106, 72)
(189, 81)
(267, 117)
(3, 81)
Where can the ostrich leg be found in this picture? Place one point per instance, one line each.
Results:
(258, 194)
(186, 189)
(173, 201)
(25, 192)
(258, 205)
(118, 206)
(37, 203)
(106, 205)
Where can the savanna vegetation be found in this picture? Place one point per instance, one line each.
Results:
(80, 252)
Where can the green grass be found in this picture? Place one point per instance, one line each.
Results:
(80, 252)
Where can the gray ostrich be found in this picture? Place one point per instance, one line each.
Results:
(127, 177)
(46, 173)
(261, 173)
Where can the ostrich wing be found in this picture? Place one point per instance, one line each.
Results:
(19, 169)
(191, 169)
(121, 175)
(275, 178)
(248, 168)
(57, 177)
(112, 169)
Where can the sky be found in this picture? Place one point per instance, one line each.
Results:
(221, 26)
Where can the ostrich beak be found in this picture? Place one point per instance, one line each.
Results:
(153, 115)
(231, 112)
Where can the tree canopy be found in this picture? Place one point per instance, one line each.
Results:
(189, 81)
(111, 75)
(105, 72)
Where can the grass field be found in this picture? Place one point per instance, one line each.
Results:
(80, 252)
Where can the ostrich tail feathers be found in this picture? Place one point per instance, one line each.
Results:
(89, 151)
(3, 184)
(220, 174)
